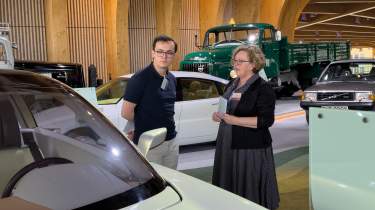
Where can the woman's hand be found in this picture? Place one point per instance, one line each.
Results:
(217, 116)
(229, 119)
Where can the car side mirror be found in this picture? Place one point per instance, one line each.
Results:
(314, 80)
(278, 35)
(151, 139)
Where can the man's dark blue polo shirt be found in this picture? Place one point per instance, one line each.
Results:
(154, 105)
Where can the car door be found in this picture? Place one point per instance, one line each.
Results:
(110, 100)
(200, 98)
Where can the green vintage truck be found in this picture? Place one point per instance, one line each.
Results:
(290, 65)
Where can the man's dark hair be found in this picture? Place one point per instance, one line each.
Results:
(164, 38)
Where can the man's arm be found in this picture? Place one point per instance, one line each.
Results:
(127, 110)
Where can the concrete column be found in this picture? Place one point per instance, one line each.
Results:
(289, 17)
(56, 16)
(117, 37)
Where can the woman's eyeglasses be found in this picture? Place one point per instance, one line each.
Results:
(239, 62)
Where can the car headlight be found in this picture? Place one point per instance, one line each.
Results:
(309, 96)
(365, 97)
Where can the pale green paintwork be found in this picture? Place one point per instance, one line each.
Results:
(342, 157)
(88, 93)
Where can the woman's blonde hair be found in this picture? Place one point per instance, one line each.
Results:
(254, 54)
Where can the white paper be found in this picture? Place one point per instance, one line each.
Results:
(222, 105)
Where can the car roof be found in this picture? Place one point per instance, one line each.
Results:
(354, 60)
(179, 74)
(20, 78)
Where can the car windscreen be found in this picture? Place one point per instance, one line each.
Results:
(349, 71)
(3, 57)
(232, 36)
(105, 169)
(111, 92)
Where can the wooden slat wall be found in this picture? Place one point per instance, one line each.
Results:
(86, 28)
(189, 26)
(142, 30)
(28, 31)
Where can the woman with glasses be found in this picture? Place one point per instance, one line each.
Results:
(244, 162)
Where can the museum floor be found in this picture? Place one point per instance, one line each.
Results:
(292, 174)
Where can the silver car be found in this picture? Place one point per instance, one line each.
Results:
(346, 84)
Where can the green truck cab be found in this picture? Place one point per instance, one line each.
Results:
(286, 63)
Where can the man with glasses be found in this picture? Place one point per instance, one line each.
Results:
(149, 101)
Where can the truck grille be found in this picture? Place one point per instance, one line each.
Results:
(196, 67)
(336, 96)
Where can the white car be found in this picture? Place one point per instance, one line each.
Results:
(57, 151)
(197, 98)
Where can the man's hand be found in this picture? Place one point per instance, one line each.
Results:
(127, 110)
(130, 135)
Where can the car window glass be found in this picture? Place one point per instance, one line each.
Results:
(221, 87)
(112, 92)
(267, 35)
(360, 71)
(13, 153)
(235, 36)
(67, 127)
(193, 89)
(2, 54)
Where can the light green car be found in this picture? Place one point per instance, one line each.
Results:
(342, 157)
(58, 152)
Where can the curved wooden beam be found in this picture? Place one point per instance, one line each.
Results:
(289, 16)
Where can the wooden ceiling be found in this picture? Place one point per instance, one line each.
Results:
(327, 20)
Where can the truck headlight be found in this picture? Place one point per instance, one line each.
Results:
(309, 96)
(233, 74)
(365, 97)
(196, 58)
